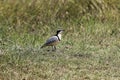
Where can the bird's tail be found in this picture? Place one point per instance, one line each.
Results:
(43, 45)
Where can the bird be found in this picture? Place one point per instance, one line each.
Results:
(53, 40)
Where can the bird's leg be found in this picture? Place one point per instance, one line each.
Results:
(54, 48)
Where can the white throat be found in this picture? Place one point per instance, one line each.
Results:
(59, 36)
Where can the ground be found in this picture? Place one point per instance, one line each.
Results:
(91, 52)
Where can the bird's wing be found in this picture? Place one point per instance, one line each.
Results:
(52, 39)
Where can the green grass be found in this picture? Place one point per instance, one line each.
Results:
(86, 52)
(90, 46)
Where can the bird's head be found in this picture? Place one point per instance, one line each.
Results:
(59, 31)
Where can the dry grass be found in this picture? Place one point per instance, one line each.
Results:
(89, 50)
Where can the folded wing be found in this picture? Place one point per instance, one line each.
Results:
(51, 40)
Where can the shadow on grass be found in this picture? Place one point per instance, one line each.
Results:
(82, 55)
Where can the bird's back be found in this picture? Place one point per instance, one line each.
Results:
(51, 41)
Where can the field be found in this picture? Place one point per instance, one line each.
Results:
(89, 49)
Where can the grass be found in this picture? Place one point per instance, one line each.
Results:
(90, 46)
(87, 52)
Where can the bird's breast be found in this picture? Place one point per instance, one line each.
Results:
(59, 36)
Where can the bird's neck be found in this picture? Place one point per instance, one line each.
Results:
(59, 36)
